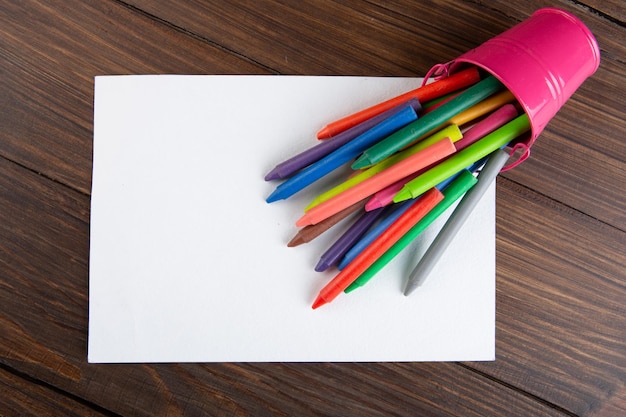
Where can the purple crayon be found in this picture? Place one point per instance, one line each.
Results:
(354, 233)
(307, 157)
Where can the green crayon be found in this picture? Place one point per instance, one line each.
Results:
(429, 122)
(464, 158)
(451, 193)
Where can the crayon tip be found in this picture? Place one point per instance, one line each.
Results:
(312, 204)
(322, 265)
(409, 289)
(344, 262)
(373, 204)
(362, 162)
(352, 287)
(325, 133)
(402, 196)
(273, 175)
(319, 301)
(297, 240)
(275, 196)
(303, 221)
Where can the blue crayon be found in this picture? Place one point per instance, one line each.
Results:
(342, 155)
(392, 213)
(296, 163)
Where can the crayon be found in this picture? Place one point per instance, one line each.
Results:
(455, 190)
(342, 155)
(315, 153)
(338, 249)
(307, 234)
(452, 132)
(392, 212)
(482, 108)
(445, 236)
(415, 162)
(385, 196)
(342, 280)
(490, 123)
(463, 158)
(429, 122)
(424, 93)
(396, 211)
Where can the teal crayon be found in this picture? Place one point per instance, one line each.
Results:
(428, 122)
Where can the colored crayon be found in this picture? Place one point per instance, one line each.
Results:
(342, 280)
(490, 123)
(415, 162)
(463, 158)
(486, 177)
(424, 93)
(385, 196)
(455, 190)
(482, 108)
(311, 155)
(396, 211)
(338, 249)
(452, 132)
(308, 233)
(342, 155)
(429, 122)
(432, 105)
(392, 213)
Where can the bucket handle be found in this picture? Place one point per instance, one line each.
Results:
(440, 71)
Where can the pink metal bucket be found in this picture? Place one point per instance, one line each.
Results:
(542, 61)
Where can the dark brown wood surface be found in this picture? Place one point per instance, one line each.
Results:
(561, 215)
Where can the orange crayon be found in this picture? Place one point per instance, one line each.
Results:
(486, 106)
(379, 246)
(425, 93)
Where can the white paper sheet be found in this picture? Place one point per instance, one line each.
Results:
(189, 263)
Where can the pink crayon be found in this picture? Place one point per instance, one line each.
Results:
(496, 119)
(384, 197)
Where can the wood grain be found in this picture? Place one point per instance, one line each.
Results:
(48, 75)
(561, 227)
(568, 302)
(26, 397)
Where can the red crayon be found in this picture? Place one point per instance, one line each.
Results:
(423, 94)
(378, 247)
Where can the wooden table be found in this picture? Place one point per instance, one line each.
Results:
(561, 215)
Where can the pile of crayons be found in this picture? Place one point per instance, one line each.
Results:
(413, 157)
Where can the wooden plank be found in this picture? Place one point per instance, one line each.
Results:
(333, 37)
(50, 53)
(373, 38)
(23, 397)
(579, 159)
(560, 308)
(401, 39)
(43, 330)
(560, 297)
